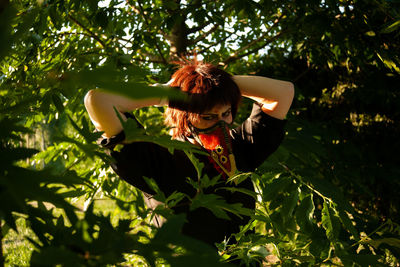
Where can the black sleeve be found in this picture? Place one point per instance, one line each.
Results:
(145, 159)
(139, 159)
(256, 138)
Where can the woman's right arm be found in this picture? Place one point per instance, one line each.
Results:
(100, 106)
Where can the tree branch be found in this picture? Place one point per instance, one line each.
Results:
(198, 28)
(92, 34)
(205, 34)
(214, 44)
(147, 24)
(138, 12)
(236, 57)
(151, 58)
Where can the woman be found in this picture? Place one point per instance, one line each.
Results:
(203, 119)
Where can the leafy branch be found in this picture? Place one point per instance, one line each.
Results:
(237, 55)
(91, 34)
(205, 34)
(163, 60)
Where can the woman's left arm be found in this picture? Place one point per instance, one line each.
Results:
(275, 95)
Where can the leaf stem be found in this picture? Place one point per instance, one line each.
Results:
(1, 245)
(306, 184)
(92, 34)
(368, 236)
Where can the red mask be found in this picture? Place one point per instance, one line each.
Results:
(217, 141)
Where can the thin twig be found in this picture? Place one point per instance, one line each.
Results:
(370, 234)
(147, 23)
(205, 34)
(234, 58)
(304, 183)
(198, 28)
(92, 34)
(213, 44)
(1, 245)
(236, 55)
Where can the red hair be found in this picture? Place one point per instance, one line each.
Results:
(206, 86)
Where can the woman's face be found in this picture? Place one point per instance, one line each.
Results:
(210, 117)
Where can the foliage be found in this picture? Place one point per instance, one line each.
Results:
(327, 196)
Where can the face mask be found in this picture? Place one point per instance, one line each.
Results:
(216, 140)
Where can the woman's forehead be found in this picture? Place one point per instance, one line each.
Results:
(217, 109)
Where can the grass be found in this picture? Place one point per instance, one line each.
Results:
(18, 250)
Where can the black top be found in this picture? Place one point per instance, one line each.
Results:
(252, 142)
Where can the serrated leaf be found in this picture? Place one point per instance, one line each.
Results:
(391, 241)
(289, 204)
(362, 260)
(57, 102)
(304, 214)
(331, 191)
(241, 190)
(212, 202)
(174, 199)
(330, 222)
(218, 206)
(348, 225)
(54, 256)
(159, 195)
(272, 189)
(206, 182)
(198, 166)
(13, 154)
(238, 178)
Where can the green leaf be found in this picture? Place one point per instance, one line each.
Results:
(212, 202)
(174, 199)
(58, 103)
(348, 224)
(392, 27)
(304, 214)
(135, 133)
(370, 33)
(240, 177)
(196, 253)
(196, 163)
(391, 241)
(289, 203)
(206, 182)
(218, 206)
(13, 154)
(101, 18)
(320, 245)
(159, 195)
(127, 83)
(241, 190)
(278, 185)
(362, 260)
(169, 4)
(327, 189)
(56, 255)
(10, 36)
(330, 222)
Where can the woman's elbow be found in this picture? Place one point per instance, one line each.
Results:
(93, 99)
(290, 90)
(88, 100)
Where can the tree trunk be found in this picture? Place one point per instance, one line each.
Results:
(178, 39)
(178, 35)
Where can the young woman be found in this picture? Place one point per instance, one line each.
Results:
(203, 119)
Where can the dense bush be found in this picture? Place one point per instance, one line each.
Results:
(329, 195)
